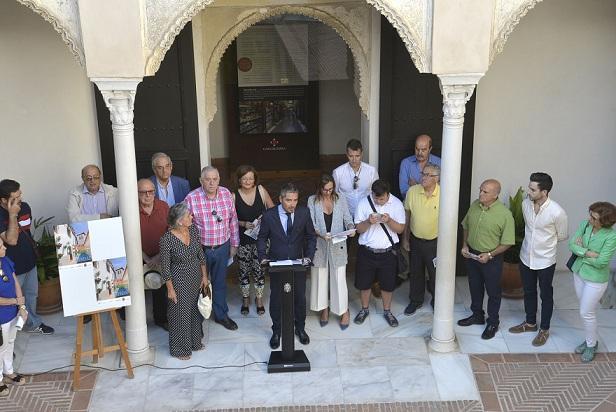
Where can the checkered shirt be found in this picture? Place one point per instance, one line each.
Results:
(214, 232)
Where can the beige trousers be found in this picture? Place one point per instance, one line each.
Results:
(328, 287)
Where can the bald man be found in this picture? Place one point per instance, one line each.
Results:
(412, 166)
(488, 233)
(92, 199)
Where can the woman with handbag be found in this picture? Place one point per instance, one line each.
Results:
(594, 244)
(251, 200)
(12, 307)
(182, 264)
(328, 287)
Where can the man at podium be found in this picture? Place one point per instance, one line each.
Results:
(289, 229)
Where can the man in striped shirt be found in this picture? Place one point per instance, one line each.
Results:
(214, 214)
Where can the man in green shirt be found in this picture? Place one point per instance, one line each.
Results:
(488, 232)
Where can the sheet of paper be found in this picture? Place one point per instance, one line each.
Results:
(434, 262)
(344, 233)
(338, 239)
(106, 238)
(286, 262)
(254, 232)
(473, 256)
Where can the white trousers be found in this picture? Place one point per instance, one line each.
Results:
(9, 331)
(328, 287)
(589, 295)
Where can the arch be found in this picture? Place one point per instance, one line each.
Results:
(64, 20)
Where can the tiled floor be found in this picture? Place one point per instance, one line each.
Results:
(371, 363)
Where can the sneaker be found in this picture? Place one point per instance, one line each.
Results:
(589, 353)
(489, 332)
(541, 337)
(412, 308)
(579, 349)
(42, 329)
(523, 327)
(361, 316)
(390, 318)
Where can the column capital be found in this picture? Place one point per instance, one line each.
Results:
(119, 97)
(457, 89)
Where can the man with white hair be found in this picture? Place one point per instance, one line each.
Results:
(169, 188)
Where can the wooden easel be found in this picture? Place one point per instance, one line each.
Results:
(98, 348)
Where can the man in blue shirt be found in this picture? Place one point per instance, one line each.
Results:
(412, 166)
(169, 188)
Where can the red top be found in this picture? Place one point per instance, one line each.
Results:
(153, 227)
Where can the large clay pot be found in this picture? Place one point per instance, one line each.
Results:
(49, 297)
(511, 282)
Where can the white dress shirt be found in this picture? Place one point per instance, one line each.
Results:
(375, 237)
(344, 175)
(542, 232)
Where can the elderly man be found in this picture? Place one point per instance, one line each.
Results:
(545, 226)
(214, 214)
(422, 205)
(15, 223)
(412, 166)
(488, 233)
(92, 199)
(153, 218)
(170, 189)
(379, 219)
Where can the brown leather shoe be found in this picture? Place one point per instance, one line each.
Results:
(523, 327)
(376, 290)
(541, 337)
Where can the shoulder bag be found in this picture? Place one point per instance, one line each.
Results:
(573, 256)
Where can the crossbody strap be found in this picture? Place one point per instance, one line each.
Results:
(382, 224)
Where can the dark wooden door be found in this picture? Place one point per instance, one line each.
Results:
(412, 104)
(165, 116)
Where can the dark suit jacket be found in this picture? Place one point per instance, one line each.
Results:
(301, 243)
(181, 187)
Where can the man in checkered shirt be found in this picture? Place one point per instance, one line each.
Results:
(214, 214)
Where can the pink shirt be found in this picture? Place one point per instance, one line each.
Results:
(216, 218)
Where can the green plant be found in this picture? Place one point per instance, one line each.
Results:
(512, 255)
(47, 260)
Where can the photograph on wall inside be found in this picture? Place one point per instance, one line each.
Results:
(110, 278)
(72, 243)
(265, 110)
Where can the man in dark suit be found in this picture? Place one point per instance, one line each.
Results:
(291, 234)
(170, 189)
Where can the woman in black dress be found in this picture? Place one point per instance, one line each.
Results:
(251, 200)
(183, 269)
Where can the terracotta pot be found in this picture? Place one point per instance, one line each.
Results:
(511, 282)
(49, 297)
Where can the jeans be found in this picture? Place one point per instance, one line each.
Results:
(485, 276)
(29, 287)
(589, 294)
(529, 280)
(217, 272)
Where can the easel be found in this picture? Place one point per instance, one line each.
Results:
(98, 349)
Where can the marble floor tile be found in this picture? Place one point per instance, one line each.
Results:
(321, 353)
(249, 330)
(256, 355)
(366, 384)
(169, 392)
(454, 376)
(469, 339)
(218, 389)
(265, 389)
(607, 339)
(114, 391)
(413, 383)
(381, 352)
(332, 330)
(320, 386)
(419, 324)
(214, 355)
(522, 343)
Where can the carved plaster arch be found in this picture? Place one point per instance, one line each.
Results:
(251, 18)
(64, 20)
(508, 14)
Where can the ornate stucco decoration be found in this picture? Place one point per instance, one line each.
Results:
(64, 18)
(507, 15)
(349, 23)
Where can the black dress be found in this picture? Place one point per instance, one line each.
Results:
(182, 265)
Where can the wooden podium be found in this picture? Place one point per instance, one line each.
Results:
(289, 359)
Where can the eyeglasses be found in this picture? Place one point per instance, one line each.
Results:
(428, 175)
(593, 217)
(147, 192)
(215, 214)
(327, 190)
(355, 180)
(91, 178)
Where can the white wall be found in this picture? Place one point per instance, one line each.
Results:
(548, 104)
(47, 111)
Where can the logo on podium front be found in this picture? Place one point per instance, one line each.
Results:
(287, 288)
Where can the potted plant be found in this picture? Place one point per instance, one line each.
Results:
(49, 296)
(511, 282)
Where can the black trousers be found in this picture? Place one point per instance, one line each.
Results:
(299, 299)
(529, 280)
(159, 304)
(485, 277)
(421, 259)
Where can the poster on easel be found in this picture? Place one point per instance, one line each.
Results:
(92, 265)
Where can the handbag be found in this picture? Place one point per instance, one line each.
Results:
(204, 303)
(573, 256)
(402, 265)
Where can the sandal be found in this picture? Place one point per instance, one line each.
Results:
(245, 309)
(260, 309)
(17, 380)
(4, 390)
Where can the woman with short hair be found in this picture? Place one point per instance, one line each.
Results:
(594, 244)
(183, 269)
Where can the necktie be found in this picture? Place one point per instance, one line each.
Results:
(289, 223)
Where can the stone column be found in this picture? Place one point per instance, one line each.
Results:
(375, 88)
(456, 90)
(119, 96)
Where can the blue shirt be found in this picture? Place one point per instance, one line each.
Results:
(7, 290)
(166, 193)
(93, 204)
(283, 218)
(409, 168)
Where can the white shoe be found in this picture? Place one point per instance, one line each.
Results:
(153, 280)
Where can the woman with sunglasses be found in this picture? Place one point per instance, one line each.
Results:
(328, 288)
(594, 244)
(12, 307)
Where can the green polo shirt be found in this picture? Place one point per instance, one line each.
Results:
(488, 227)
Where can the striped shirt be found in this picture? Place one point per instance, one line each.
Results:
(215, 218)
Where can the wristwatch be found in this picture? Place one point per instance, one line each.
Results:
(490, 254)
(22, 307)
